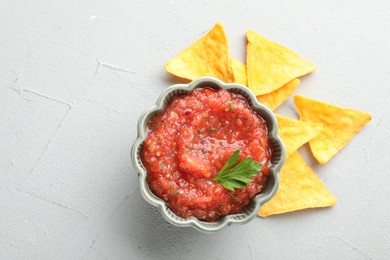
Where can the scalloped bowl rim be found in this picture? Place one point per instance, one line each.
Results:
(259, 199)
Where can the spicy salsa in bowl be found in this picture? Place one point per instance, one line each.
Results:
(185, 144)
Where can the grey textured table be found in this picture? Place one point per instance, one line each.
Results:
(75, 76)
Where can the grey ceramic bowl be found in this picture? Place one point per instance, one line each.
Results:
(250, 211)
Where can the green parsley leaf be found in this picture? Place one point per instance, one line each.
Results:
(234, 176)
(162, 165)
(211, 129)
(229, 105)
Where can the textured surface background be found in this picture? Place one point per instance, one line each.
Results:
(74, 77)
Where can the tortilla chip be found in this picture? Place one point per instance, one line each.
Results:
(339, 125)
(274, 99)
(300, 188)
(239, 71)
(295, 133)
(271, 65)
(209, 56)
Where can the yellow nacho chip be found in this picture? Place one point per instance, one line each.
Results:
(300, 188)
(239, 71)
(274, 99)
(271, 65)
(295, 133)
(339, 125)
(208, 56)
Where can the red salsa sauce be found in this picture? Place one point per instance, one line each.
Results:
(190, 141)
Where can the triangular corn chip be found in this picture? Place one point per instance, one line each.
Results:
(239, 71)
(300, 188)
(339, 125)
(274, 99)
(271, 65)
(209, 56)
(295, 133)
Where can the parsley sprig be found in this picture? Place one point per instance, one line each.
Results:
(233, 175)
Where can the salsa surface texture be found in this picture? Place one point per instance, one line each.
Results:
(190, 141)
